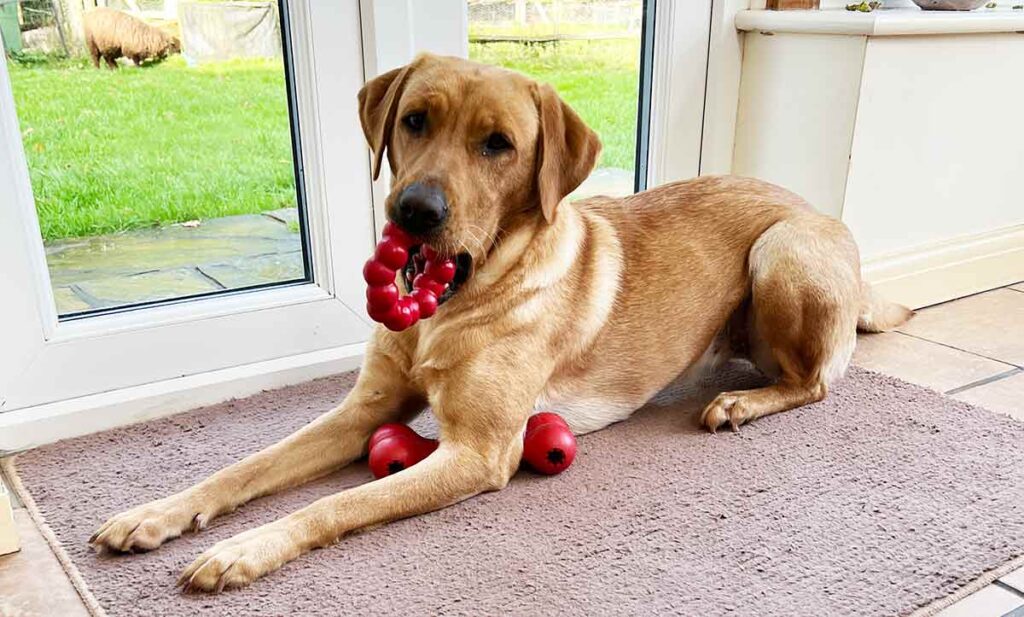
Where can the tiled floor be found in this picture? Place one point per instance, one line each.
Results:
(972, 349)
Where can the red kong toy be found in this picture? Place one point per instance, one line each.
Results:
(384, 302)
(549, 446)
(394, 447)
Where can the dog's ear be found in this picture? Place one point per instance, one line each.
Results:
(566, 150)
(378, 105)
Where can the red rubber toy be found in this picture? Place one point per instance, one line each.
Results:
(394, 447)
(549, 446)
(542, 418)
(384, 302)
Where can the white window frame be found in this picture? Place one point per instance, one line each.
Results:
(59, 379)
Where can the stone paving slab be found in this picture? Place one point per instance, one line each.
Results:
(144, 287)
(257, 270)
(168, 247)
(609, 181)
(174, 261)
(288, 216)
(68, 301)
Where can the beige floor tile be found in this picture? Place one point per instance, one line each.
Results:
(1003, 396)
(991, 601)
(32, 582)
(1018, 286)
(15, 501)
(1015, 579)
(922, 362)
(990, 324)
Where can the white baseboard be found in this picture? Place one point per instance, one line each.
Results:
(33, 426)
(950, 269)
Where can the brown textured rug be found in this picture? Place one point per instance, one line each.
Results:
(877, 501)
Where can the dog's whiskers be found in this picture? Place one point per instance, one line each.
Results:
(488, 237)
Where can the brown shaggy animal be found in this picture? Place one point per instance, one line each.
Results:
(111, 34)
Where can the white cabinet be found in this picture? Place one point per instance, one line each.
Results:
(907, 125)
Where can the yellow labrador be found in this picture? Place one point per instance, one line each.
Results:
(586, 307)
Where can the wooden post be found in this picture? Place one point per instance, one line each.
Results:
(75, 24)
(58, 23)
(789, 5)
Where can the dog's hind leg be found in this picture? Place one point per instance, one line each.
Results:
(381, 394)
(805, 298)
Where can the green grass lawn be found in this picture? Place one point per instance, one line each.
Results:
(109, 151)
(600, 79)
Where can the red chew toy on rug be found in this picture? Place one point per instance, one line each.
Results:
(549, 446)
(384, 302)
(394, 447)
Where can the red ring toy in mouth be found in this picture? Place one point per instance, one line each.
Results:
(384, 302)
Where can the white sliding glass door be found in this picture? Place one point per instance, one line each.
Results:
(180, 220)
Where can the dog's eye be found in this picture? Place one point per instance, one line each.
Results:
(415, 122)
(496, 143)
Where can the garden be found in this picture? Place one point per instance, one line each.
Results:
(115, 150)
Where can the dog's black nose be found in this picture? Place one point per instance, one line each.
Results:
(421, 209)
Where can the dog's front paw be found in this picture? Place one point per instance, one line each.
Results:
(727, 408)
(146, 527)
(240, 560)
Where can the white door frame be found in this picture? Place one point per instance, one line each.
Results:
(695, 90)
(60, 379)
(681, 39)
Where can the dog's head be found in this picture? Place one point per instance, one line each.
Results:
(472, 147)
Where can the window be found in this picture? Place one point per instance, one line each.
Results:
(167, 169)
(590, 51)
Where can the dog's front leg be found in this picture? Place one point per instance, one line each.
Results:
(449, 475)
(481, 419)
(381, 394)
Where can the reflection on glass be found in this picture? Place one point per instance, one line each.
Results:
(589, 51)
(171, 174)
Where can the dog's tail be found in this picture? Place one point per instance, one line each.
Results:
(878, 314)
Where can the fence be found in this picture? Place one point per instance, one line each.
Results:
(531, 20)
(32, 24)
(209, 31)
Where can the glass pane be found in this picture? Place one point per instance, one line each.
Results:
(164, 174)
(589, 50)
